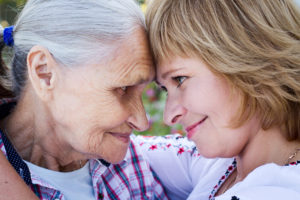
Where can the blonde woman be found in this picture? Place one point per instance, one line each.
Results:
(232, 73)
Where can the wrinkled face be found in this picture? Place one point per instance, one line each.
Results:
(203, 104)
(96, 107)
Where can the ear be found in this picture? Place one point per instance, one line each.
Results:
(42, 71)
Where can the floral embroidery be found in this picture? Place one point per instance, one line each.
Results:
(230, 169)
(153, 143)
(153, 147)
(180, 151)
(293, 163)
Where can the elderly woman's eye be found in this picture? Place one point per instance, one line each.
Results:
(124, 88)
(179, 80)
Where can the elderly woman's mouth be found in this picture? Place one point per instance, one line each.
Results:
(124, 137)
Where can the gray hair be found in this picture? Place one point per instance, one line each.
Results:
(74, 31)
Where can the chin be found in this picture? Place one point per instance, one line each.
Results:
(208, 152)
(115, 160)
(115, 157)
(214, 153)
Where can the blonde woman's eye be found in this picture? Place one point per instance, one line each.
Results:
(179, 80)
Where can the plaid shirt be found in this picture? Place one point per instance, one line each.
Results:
(131, 179)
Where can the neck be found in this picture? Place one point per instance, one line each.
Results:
(265, 147)
(35, 136)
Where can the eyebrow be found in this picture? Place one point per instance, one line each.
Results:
(164, 75)
(140, 79)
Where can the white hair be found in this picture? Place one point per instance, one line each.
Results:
(74, 31)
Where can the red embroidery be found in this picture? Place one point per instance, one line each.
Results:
(181, 150)
(153, 147)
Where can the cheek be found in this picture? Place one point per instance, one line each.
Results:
(212, 98)
(226, 142)
(86, 111)
(198, 97)
(107, 107)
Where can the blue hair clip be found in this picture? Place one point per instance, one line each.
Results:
(8, 36)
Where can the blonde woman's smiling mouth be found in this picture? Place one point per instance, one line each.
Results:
(191, 130)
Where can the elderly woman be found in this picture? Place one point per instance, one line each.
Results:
(77, 98)
(232, 73)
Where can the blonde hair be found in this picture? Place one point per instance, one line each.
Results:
(254, 44)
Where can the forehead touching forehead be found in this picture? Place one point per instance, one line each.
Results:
(132, 62)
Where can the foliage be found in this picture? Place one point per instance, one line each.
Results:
(154, 102)
(16, 2)
(141, 1)
(8, 10)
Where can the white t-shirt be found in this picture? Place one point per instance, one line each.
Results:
(75, 185)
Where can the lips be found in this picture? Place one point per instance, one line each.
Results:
(124, 137)
(191, 129)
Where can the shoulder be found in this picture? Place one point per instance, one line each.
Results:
(269, 181)
(136, 172)
(135, 164)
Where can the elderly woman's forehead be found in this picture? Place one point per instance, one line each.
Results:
(136, 74)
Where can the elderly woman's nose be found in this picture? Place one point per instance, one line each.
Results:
(173, 111)
(138, 119)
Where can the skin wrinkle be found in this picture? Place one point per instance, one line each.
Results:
(135, 76)
(83, 108)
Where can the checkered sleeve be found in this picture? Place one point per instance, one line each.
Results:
(171, 157)
(144, 182)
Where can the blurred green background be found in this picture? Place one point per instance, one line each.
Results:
(153, 97)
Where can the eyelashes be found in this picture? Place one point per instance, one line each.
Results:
(179, 80)
(122, 90)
